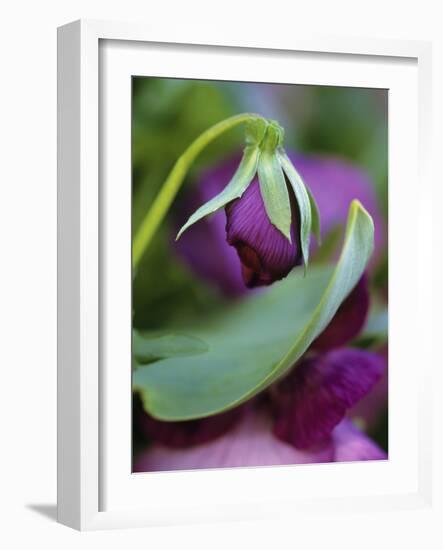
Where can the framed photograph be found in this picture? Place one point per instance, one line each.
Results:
(232, 221)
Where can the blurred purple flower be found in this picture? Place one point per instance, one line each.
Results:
(351, 444)
(251, 443)
(310, 402)
(334, 183)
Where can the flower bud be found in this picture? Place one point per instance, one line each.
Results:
(266, 255)
(269, 219)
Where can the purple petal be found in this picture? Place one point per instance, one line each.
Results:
(265, 254)
(348, 321)
(334, 183)
(250, 443)
(186, 433)
(314, 398)
(352, 445)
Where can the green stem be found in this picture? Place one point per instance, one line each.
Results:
(172, 184)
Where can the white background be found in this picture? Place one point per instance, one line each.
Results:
(28, 261)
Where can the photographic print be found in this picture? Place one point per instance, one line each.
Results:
(260, 274)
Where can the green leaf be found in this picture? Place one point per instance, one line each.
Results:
(236, 187)
(303, 201)
(274, 192)
(258, 340)
(148, 347)
(315, 214)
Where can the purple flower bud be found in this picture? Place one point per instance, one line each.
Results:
(334, 183)
(265, 253)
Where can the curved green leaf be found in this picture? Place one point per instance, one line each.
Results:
(357, 249)
(274, 192)
(236, 187)
(316, 226)
(303, 201)
(150, 347)
(256, 341)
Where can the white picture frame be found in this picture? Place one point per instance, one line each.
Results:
(96, 489)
